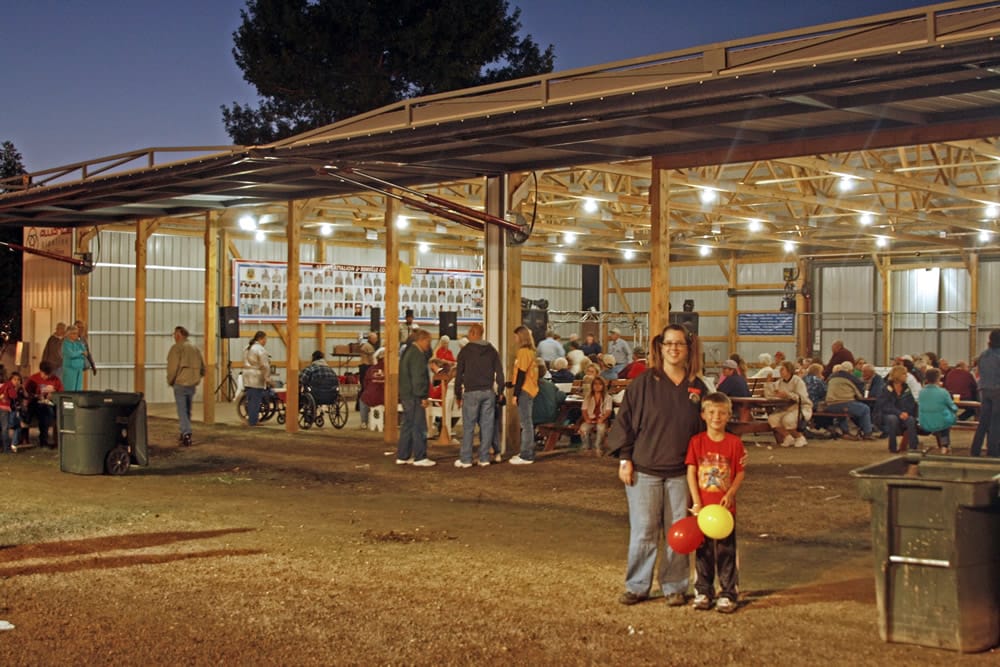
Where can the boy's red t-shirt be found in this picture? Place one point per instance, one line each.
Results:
(717, 463)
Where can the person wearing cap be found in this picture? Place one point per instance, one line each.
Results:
(839, 356)
(608, 366)
(550, 349)
(619, 349)
(373, 387)
(443, 351)
(733, 384)
(318, 377)
(571, 343)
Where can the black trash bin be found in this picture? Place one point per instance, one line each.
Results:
(936, 541)
(101, 431)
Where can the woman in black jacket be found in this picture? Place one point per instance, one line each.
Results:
(899, 409)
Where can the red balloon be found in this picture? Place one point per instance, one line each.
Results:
(685, 536)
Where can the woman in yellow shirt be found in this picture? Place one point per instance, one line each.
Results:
(525, 378)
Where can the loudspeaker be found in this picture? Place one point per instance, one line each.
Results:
(688, 320)
(448, 324)
(590, 287)
(537, 321)
(376, 320)
(229, 322)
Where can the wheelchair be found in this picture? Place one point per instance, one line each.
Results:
(325, 403)
(269, 406)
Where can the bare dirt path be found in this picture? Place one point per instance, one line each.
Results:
(255, 547)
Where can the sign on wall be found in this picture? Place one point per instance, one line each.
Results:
(765, 324)
(347, 293)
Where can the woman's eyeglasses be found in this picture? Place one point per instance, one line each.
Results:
(672, 343)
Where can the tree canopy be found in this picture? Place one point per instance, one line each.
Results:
(11, 162)
(314, 62)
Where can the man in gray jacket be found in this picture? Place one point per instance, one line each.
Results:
(185, 368)
(478, 378)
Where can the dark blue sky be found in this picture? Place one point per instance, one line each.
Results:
(87, 79)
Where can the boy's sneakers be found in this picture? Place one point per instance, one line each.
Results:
(424, 463)
(725, 606)
(518, 461)
(459, 464)
(701, 602)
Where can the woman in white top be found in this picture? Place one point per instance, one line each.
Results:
(256, 373)
(786, 422)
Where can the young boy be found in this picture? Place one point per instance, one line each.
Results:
(714, 472)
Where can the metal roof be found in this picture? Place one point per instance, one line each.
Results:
(924, 76)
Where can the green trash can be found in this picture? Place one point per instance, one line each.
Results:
(101, 431)
(936, 541)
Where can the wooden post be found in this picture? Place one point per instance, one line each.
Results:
(513, 299)
(82, 295)
(142, 228)
(293, 234)
(659, 254)
(210, 344)
(731, 310)
(973, 267)
(390, 432)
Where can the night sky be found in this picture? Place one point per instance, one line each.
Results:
(88, 79)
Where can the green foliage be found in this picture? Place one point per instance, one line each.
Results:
(11, 162)
(314, 62)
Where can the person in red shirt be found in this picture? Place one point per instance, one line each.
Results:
(636, 368)
(39, 389)
(715, 472)
(12, 399)
(443, 352)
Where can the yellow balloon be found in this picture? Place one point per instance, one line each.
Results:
(715, 521)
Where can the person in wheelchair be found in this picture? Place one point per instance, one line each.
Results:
(320, 380)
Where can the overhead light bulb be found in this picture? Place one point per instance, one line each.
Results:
(789, 246)
(247, 223)
(423, 248)
(402, 222)
(708, 196)
(559, 258)
(628, 253)
(590, 205)
(992, 211)
(984, 236)
(260, 236)
(326, 229)
(704, 251)
(845, 184)
(881, 241)
(755, 225)
(569, 237)
(866, 218)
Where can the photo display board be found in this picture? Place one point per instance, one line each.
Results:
(347, 293)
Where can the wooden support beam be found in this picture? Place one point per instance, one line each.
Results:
(142, 228)
(210, 343)
(81, 295)
(973, 262)
(659, 256)
(294, 232)
(732, 276)
(513, 314)
(390, 432)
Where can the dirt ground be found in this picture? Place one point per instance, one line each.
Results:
(256, 547)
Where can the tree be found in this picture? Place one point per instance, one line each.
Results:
(11, 162)
(314, 62)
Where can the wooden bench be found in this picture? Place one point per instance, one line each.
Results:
(551, 433)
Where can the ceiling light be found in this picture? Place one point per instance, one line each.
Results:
(708, 196)
(845, 184)
(755, 225)
(402, 222)
(569, 237)
(260, 236)
(628, 253)
(590, 205)
(371, 235)
(984, 236)
(866, 219)
(560, 258)
(881, 241)
(247, 223)
(704, 251)
(326, 229)
(789, 246)
(992, 211)
(423, 248)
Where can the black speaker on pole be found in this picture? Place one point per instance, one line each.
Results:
(376, 320)
(687, 320)
(448, 324)
(229, 322)
(536, 320)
